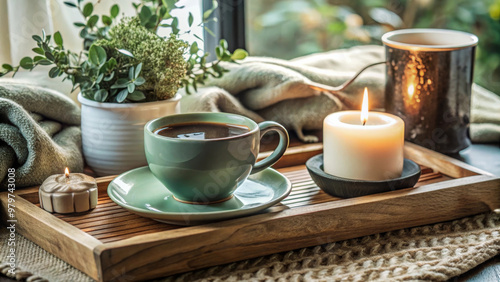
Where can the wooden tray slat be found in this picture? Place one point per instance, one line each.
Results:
(113, 221)
(94, 226)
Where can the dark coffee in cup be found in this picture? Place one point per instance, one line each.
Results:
(201, 130)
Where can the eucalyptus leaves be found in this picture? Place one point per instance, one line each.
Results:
(123, 88)
(125, 61)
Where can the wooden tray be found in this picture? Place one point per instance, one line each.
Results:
(110, 242)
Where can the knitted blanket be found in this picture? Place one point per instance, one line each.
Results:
(299, 94)
(39, 133)
(435, 252)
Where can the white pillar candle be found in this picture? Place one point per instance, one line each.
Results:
(373, 151)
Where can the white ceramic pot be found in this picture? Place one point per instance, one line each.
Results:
(112, 133)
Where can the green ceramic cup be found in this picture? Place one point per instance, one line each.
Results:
(208, 171)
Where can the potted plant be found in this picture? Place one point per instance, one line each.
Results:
(127, 75)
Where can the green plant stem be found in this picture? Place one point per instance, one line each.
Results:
(160, 18)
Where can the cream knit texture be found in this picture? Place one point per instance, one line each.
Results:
(435, 252)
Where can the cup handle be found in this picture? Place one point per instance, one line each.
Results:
(265, 127)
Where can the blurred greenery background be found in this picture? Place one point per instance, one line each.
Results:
(291, 28)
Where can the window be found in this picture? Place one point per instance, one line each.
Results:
(291, 28)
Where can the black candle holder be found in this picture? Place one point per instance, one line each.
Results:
(349, 188)
(429, 80)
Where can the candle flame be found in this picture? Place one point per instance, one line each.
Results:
(66, 172)
(411, 90)
(364, 108)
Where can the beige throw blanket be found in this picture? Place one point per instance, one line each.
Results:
(295, 93)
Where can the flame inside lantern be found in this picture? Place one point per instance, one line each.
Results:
(411, 91)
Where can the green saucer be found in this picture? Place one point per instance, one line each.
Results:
(140, 192)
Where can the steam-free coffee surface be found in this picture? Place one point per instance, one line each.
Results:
(201, 130)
